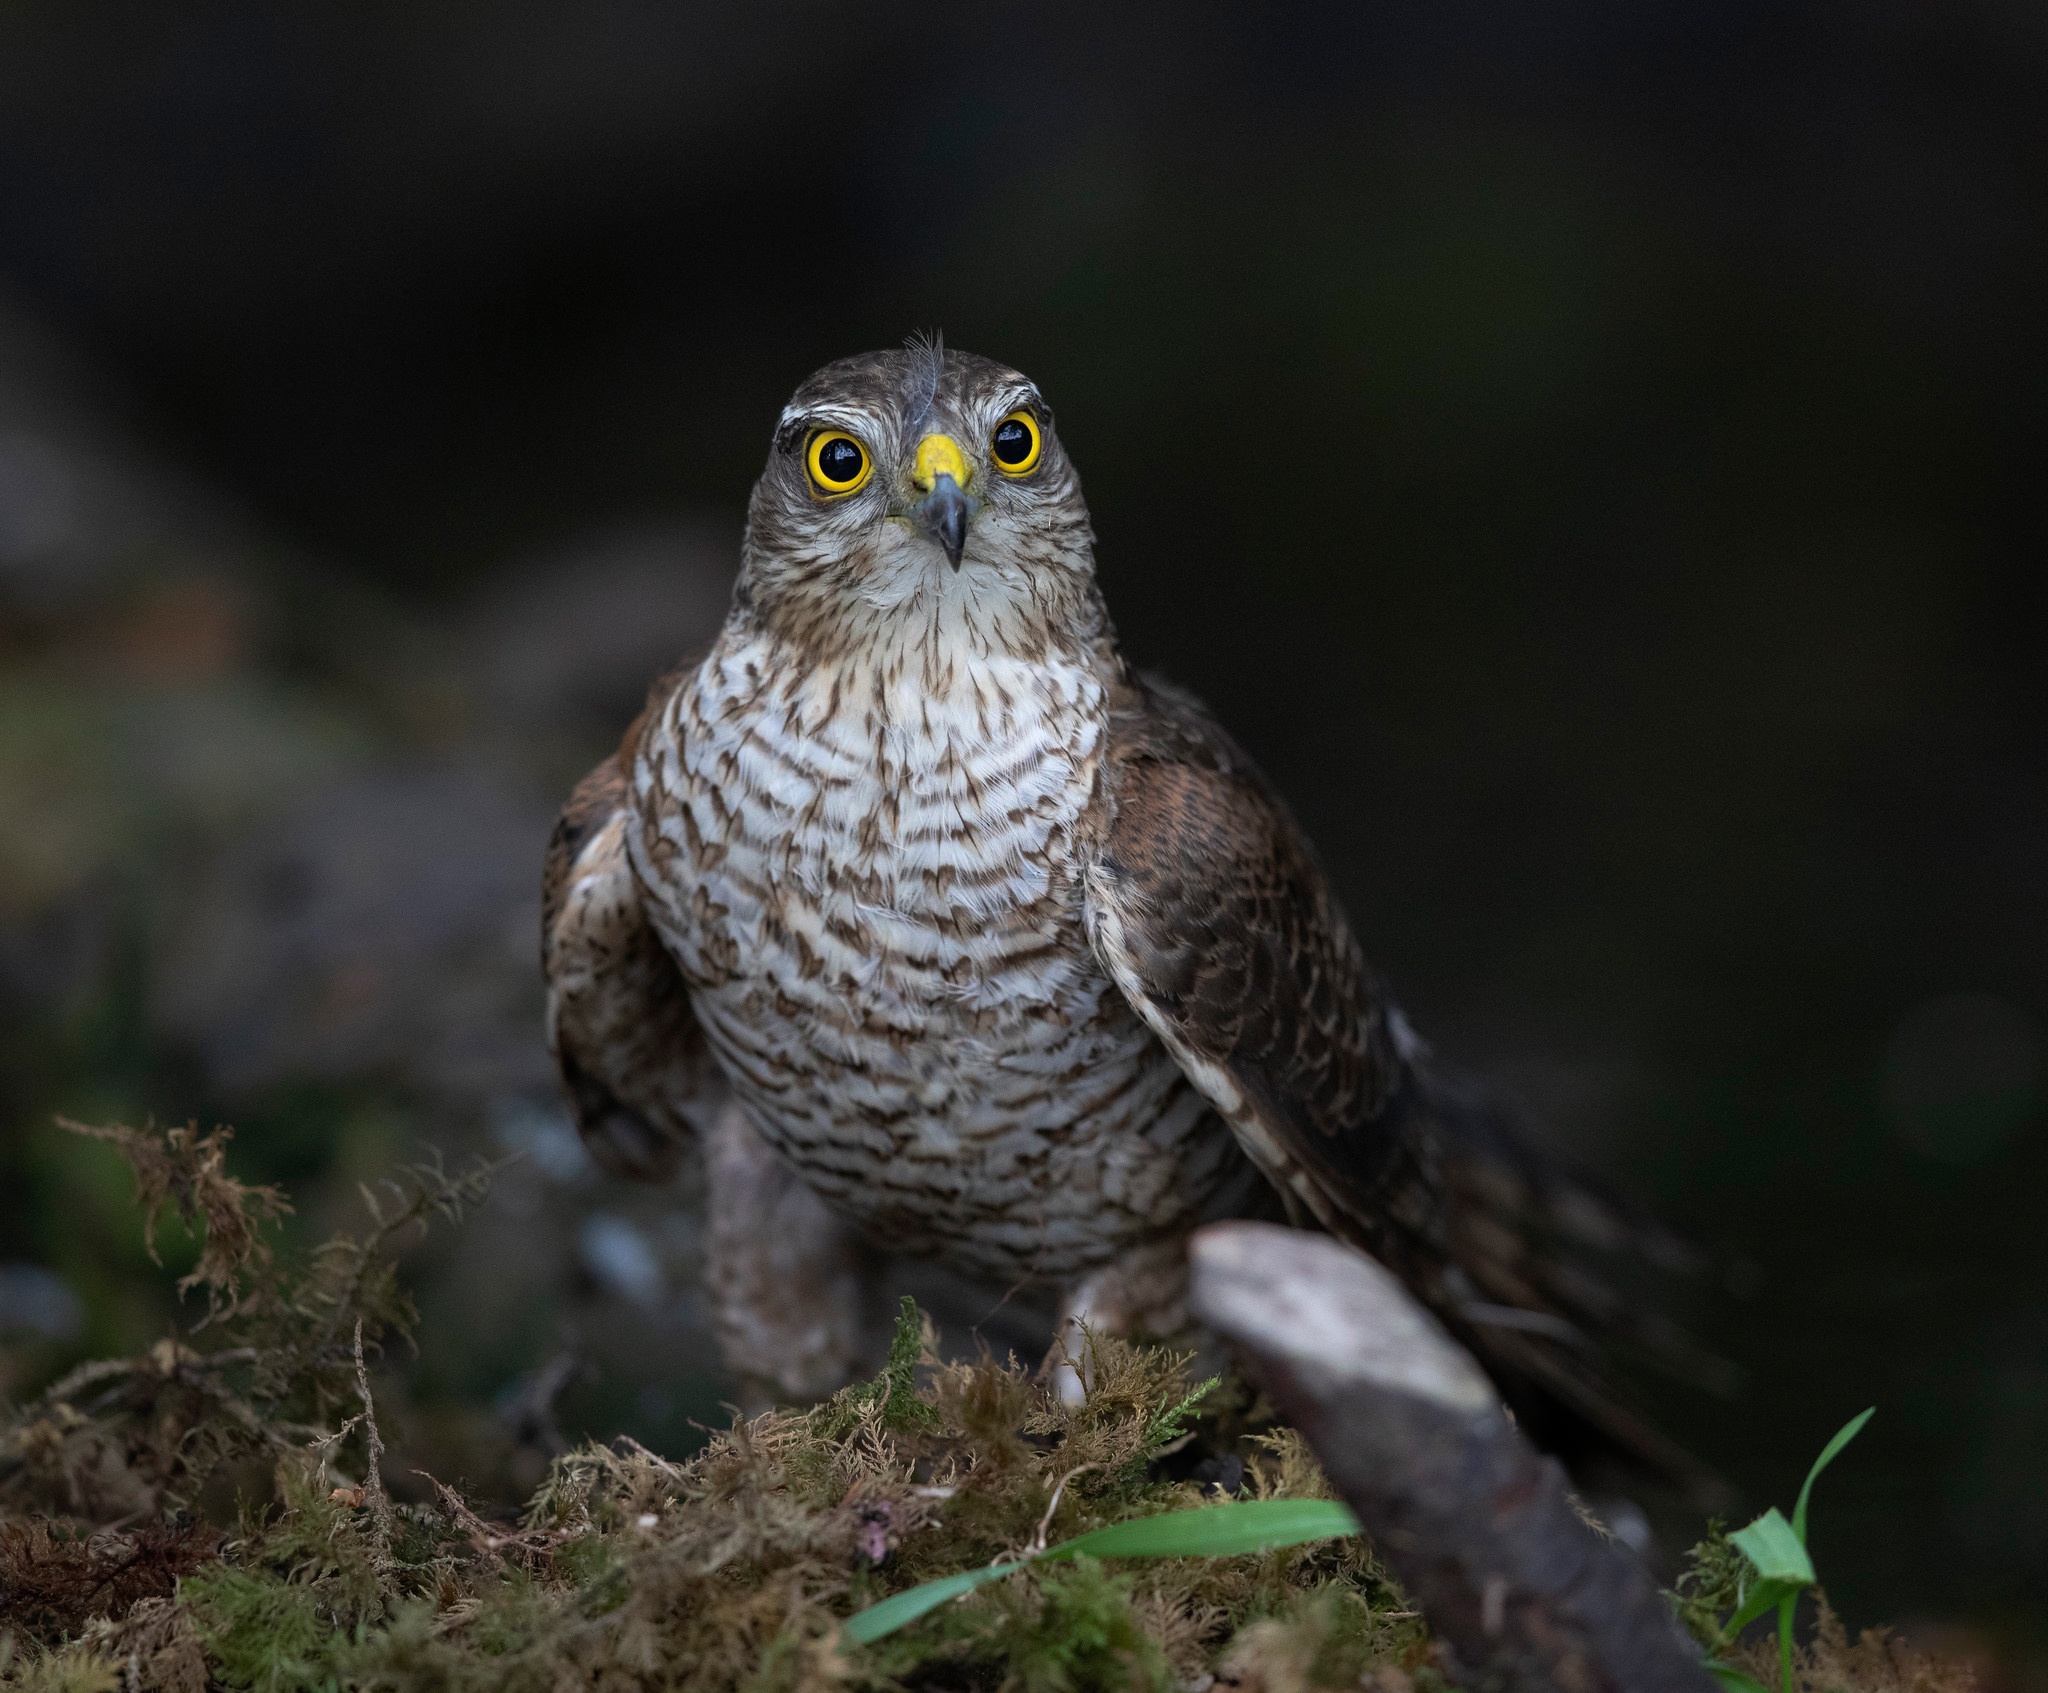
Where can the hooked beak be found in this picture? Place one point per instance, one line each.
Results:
(943, 514)
(947, 507)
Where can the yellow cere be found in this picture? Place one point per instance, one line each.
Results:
(940, 455)
(838, 463)
(1016, 444)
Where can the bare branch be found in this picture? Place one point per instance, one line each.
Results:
(1478, 1525)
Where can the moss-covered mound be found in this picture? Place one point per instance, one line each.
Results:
(734, 1568)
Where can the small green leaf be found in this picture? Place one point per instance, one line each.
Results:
(1209, 1531)
(1778, 1553)
(1761, 1598)
(1732, 1679)
(1828, 1453)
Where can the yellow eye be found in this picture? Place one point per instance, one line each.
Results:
(838, 463)
(1016, 444)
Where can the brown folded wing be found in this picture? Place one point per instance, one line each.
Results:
(1211, 913)
(632, 1056)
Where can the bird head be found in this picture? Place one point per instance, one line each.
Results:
(919, 487)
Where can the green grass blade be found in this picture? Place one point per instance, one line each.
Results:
(1828, 1453)
(1786, 1607)
(1217, 1531)
(1778, 1553)
(1209, 1531)
(1733, 1680)
(892, 1613)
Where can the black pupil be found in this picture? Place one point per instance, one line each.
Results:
(839, 461)
(1013, 441)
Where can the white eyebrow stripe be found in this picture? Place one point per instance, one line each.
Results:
(829, 416)
(1019, 399)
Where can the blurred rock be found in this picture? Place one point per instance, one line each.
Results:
(385, 925)
(287, 835)
(619, 1258)
(565, 646)
(543, 1135)
(139, 708)
(33, 1301)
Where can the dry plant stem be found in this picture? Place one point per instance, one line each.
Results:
(432, 1190)
(1478, 1525)
(373, 1478)
(1045, 1522)
(527, 1545)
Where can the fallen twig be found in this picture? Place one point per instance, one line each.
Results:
(1478, 1525)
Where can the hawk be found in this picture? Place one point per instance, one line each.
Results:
(947, 930)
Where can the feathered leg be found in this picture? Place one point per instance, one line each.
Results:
(783, 1275)
(1142, 1293)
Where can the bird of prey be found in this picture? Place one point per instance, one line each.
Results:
(949, 931)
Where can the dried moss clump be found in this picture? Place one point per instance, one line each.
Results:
(731, 1569)
(734, 1568)
(271, 1369)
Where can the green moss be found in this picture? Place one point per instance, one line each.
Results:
(1710, 1586)
(731, 1571)
(893, 1393)
(66, 1672)
(264, 1633)
(1077, 1633)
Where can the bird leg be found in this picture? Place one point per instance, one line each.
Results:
(1142, 1293)
(782, 1273)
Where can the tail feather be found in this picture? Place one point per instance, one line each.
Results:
(1511, 1255)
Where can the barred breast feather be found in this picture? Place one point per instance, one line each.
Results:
(869, 872)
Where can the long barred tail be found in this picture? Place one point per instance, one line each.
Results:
(1539, 1268)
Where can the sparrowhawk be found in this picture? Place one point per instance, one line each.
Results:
(946, 928)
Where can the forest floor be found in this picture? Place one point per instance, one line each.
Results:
(218, 1512)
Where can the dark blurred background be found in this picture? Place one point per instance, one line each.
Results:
(1583, 451)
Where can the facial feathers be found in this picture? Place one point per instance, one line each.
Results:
(862, 570)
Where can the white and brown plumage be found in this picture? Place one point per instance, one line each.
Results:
(1003, 953)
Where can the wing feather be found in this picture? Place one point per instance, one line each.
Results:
(633, 1058)
(1210, 912)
